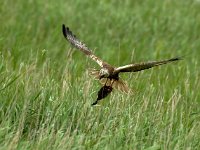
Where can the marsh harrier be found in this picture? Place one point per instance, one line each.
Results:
(108, 74)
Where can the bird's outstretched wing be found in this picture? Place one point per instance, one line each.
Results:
(146, 65)
(79, 45)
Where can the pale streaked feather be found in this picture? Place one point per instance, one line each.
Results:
(79, 45)
(94, 73)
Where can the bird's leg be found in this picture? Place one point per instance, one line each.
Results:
(106, 81)
(112, 82)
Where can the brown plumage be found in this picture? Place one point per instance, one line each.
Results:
(108, 74)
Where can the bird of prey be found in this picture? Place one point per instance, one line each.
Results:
(108, 74)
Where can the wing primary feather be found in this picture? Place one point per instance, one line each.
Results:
(74, 41)
(64, 30)
(147, 65)
(79, 45)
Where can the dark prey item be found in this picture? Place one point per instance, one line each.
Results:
(103, 92)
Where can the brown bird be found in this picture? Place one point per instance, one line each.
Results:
(108, 74)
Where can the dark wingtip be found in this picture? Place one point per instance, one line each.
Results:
(64, 31)
(176, 59)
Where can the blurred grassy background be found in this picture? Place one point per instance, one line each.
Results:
(46, 93)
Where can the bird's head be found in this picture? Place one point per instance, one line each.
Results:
(103, 73)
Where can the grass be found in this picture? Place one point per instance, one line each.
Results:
(46, 92)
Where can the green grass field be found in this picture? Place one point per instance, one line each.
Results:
(46, 92)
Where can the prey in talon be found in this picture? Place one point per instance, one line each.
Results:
(102, 93)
